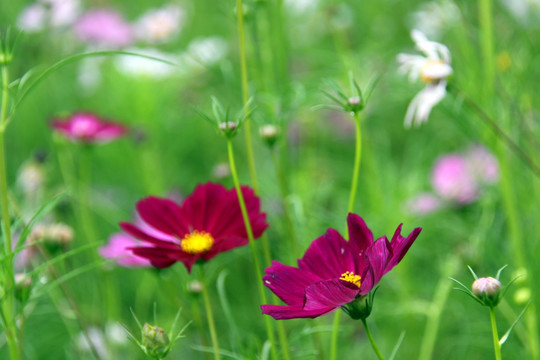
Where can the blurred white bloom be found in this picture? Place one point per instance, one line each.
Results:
(300, 6)
(526, 11)
(436, 16)
(89, 73)
(43, 13)
(206, 52)
(160, 25)
(221, 170)
(432, 68)
(31, 177)
(97, 338)
(32, 18)
(137, 66)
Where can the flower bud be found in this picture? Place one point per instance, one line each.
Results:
(195, 287)
(155, 341)
(269, 133)
(23, 283)
(487, 290)
(229, 125)
(359, 308)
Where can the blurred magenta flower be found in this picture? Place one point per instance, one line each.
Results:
(104, 27)
(334, 272)
(452, 179)
(208, 222)
(88, 128)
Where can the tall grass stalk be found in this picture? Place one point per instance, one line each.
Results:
(256, 261)
(8, 301)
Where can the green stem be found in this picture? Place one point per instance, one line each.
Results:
(372, 340)
(8, 303)
(350, 208)
(496, 344)
(357, 158)
(245, 216)
(334, 338)
(245, 93)
(283, 192)
(486, 35)
(210, 316)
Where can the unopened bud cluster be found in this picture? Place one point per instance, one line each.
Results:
(269, 133)
(155, 341)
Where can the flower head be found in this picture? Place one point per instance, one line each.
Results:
(334, 272)
(208, 222)
(88, 128)
(104, 27)
(452, 180)
(160, 25)
(432, 68)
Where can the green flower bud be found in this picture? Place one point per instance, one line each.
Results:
(269, 133)
(359, 308)
(155, 341)
(487, 290)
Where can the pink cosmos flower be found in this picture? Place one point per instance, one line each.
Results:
(208, 222)
(482, 164)
(334, 272)
(452, 180)
(88, 128)
(104, 27)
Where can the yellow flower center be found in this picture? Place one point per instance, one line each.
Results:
(424, 71)
(349, 276)
(197, 242)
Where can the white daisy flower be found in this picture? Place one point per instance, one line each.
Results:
(432, 68)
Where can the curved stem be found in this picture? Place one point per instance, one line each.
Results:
(260, 286)
(495, 333)
(210, 316)
(357, 158)
(350, 208)
(372, 341)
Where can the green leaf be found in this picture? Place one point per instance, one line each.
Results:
(397, 346)
(77, 57)
(500, 271)
(507, 334)
(472, 272)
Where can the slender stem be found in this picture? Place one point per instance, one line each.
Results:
(357, 158)
(350, 208)
(334, 338)
(245, 93)
(486, 35)
(283, 192)
(372, 340)
(8, 303)
(495, 333)
(210, 316)
(269, 327)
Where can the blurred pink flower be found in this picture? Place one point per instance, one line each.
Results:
(453, 181)
(104, 27)
(483, 164)
(423, 204)
(88, 128)
(117, 249)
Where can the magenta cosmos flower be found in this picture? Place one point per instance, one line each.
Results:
(334, 272)
(207, 223)
(88, 128)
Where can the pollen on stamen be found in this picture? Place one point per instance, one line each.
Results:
(351, 277)
(197, 242)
